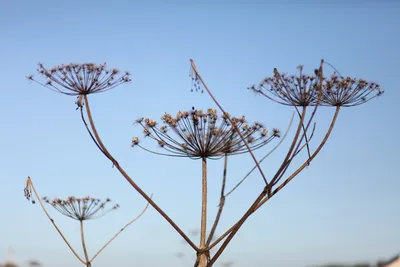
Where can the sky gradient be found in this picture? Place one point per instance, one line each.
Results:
(343, 208)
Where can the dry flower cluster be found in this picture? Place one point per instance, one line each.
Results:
(198, 134)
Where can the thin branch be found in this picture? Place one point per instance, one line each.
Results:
(120, 231)
(298, 149)
(288, 158)
(52, 221)
(90, 133)
(202, 258)
(267, 189)
(305, 135)
(130, 181)
(267, 155)
(221, 203)
(238, 225)
(228, 117)
(305, 164)
(287, 180)
(84, 244)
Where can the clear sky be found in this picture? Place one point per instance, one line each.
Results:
(344, 208)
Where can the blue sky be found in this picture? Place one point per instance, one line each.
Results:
(344, 208)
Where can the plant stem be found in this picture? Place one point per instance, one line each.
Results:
(120, 231)
(230, 120)
(53, 222)
(236, 226)
(267, 155)
(305, 164)
(129, 179)
(88, 264)
(203, 229)
(221, 203)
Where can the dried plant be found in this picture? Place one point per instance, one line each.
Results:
(198, 134)
(187, 259)
(300, 92)
(80, 209)
(206, 135)
(82, 90)
(202, 135)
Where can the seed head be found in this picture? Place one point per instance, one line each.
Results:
(80, 79)
(203, 134)
(303, 90)
(81, 209)
(348, 92)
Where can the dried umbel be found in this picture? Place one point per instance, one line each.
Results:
(290, 90)
(81, 209)
(309, 90)
(198, 134)
(81, 79)
(348, 92)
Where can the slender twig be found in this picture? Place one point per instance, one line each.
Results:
(203, 228)
(306, 144)
(267, 155)
(298, 149)
(221, 203)
(288, 179)
(84, 244)
(90, 133)
(130, 181)
(238, 225)
(305, 164)
(267, 189)
(120, 231)
(288, 158)
(305, 135)
(53, 222)
(233, 124)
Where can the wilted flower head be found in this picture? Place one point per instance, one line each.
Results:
(303, 90)
(203, 134)
(81, 79)
(348, 92)
(81, 209)
(290, 90)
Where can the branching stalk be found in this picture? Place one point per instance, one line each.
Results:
(203, 230)
(266, 156)
(88, 264)
(233, 124)
(53, 222)
(305, 164)
(221, 203)
(130, 181)
(120, 231)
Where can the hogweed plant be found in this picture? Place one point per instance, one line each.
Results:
(187, 259)
(301, 92)
(80, 209)
(204, 135)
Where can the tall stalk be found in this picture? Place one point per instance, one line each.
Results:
(203, 229)
(88, 264)
(101, 146)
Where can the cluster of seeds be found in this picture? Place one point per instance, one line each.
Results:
(81, 209)
(304, 90)
(200, 134)
(81, 79)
